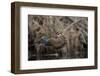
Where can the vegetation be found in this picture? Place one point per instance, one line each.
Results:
(57, 37)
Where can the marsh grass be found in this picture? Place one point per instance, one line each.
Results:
(57, 37)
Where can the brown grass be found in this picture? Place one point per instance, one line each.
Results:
(67, 37)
